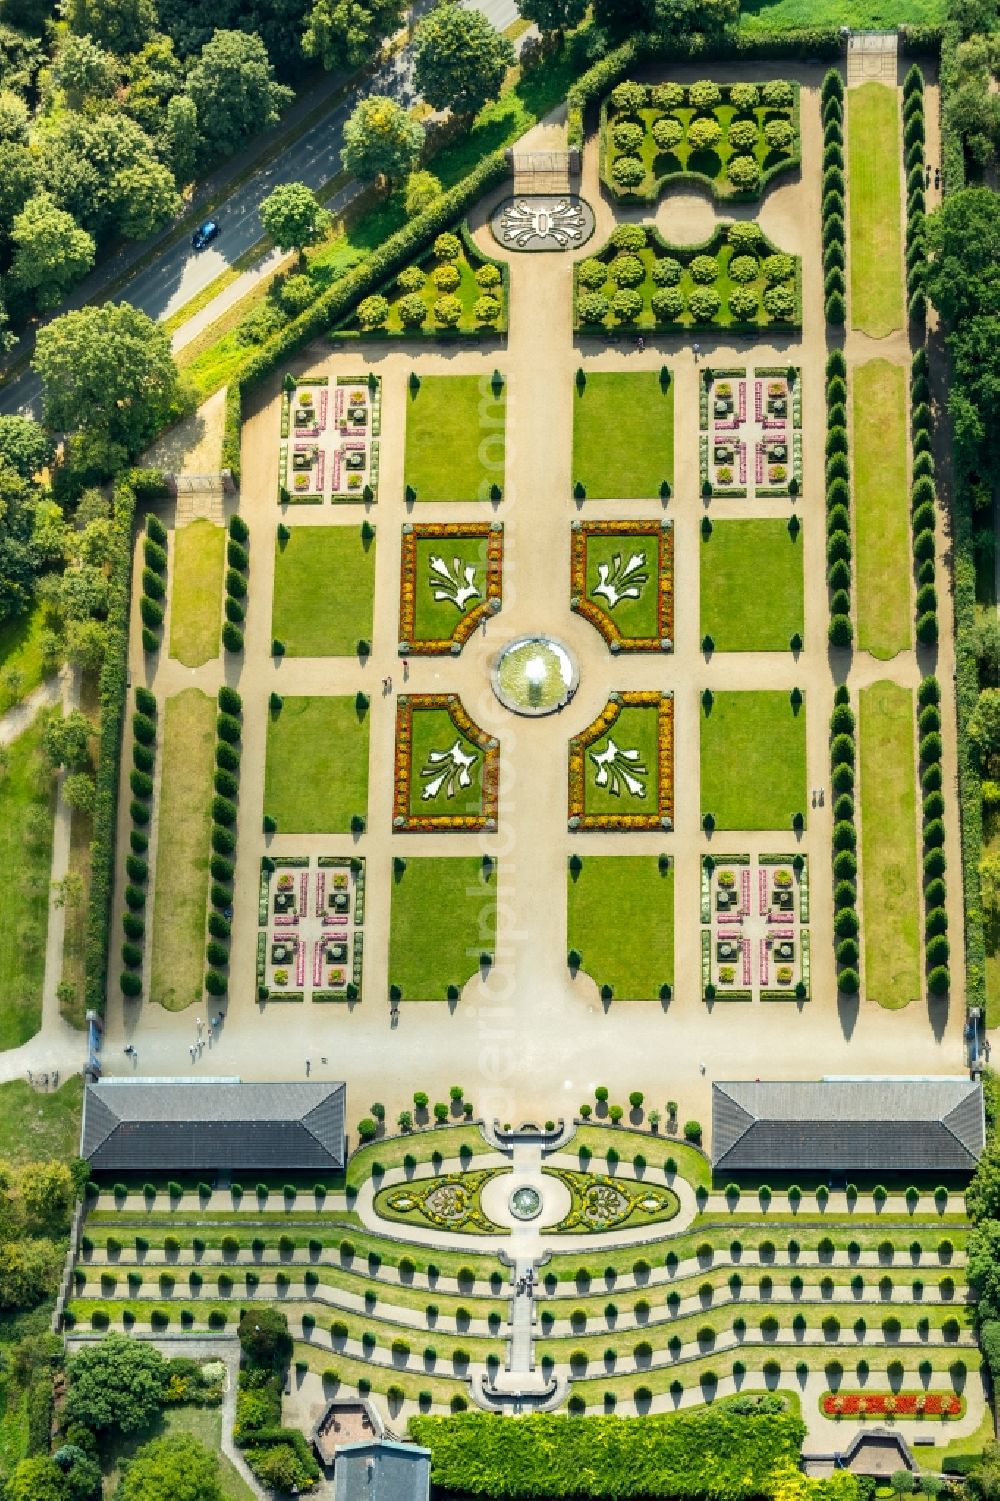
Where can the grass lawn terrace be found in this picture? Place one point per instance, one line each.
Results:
(874, 210)
(443, 918)
(635, 957)
(889, 871)
(21, 648)
(752, 585)
(187, 748)
(623, 435)
(26, 809)
(35, 1126)
(882, 509)
(455, 437)
(316, 777)
(753, 760)
(196, 592)
(324, 577)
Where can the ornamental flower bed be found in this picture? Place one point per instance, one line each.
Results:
(410, 582)
(881, 1405)
(405, 818)
(736, 137)
(579, 817)
(628, 582)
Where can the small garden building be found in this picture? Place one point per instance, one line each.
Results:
(382, 1470)
(213, 1126)
(848, 1125)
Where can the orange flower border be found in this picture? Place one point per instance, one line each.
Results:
(413, 533)
(404, 820)
(623, 822)
(663, 531)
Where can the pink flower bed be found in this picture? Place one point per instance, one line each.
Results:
(318, 962)
(320, 892)
(300, 965)
(304, 892)
(335, 920)
(746, 961)
(286, 920)
(743, 400)
(745, 892)
(336, 469)
(742, 453)
(764, 957)
(758, 468)
(729, 917)
(758, 399)
(762, 890)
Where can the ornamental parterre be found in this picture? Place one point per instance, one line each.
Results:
(618, 765)
(449, 582)
(638, 576)
(891, 1405)
(455, 771)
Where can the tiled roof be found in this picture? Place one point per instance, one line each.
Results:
(225, 1125)
(862, 1125)
(382, 1470)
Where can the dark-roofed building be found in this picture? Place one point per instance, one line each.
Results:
(382, 1470)
(840, 1125)
(213, 1126)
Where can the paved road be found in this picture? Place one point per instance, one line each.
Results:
(180, 272)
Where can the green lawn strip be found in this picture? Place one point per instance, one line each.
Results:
(21, 648)
(187, 731)
(753, 760)
(443, 917)
(765, 615)
(324, 580)
(874, 217)
(623, 435)
(34, 1126)
(932, 1458)
(636, 728)
(434, 731)
(450, 1141)
(635, 957)
(316, 777)
(598, 1139)
(351, 1370)
(435, 619)
(196, 592)
(26, 817)
(202, 1423)
(889, 860)
(455, 437)
(859, 15)
(882, 509)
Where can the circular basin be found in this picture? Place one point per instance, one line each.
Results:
(534, 675)
(525, 1202)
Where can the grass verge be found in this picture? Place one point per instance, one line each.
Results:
(889, 872)
(35, 1126)
(26, 816)
(753, 760)
(875, 222)
(623, 435)
(196, 592)
(881, 511)
(315, 743)
(737, 615)
(455, 437)
(324, 581)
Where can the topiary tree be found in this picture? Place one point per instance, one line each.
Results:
(667, 133)
(627, 171)
(744, 173)
(704, 133)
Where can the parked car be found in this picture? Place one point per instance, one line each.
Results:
(205, 234)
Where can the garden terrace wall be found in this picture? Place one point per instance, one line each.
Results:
(112, 692)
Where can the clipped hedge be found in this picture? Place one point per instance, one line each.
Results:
(238, 567)
(834, 202)
(224, 815)
(709, 1452)
(112, 692)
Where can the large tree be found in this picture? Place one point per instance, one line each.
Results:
(381, 139)
(83, 70)
(106, 370)
(105, 173)
(175, 1468)
(293, 217)
(117, 1383)
(121, 26)
(233, 88)
(461, 59)
(17, 557)
(51, 251)
(346, 33)
(36, 1479)
(24, 445)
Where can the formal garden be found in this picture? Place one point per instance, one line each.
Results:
(628, 959)
(735, 618)
(447, 768)
(316, 774)
(453, 289)
(736, 279)
(451, 583)
(324, 582)
(455, 437)
(753, 760)
(751, 432)
(622, 581)
(329, 440)
(736, 137)
(621, 767)
(310, 938)
(755, 928)
(638, 408)
(196, 592)
(443, 924)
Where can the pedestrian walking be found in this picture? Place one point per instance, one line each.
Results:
(388, 682)
(200, 1025)
(696, 350)
(191, 1051)
(406, 669)
(308, 1067)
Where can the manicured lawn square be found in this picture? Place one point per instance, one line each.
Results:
(184, 831)
(443, 918)
(196, 592)
(316, 776)
(621, 921)
(751, 585)
(623, 435)
(434, 734)
(874, 219)
(324, 577)
(436, 618)
(455, 437)
(881, 508)
(753, 760)
(630, 785)
(889, 863)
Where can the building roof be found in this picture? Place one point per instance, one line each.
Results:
(848, 1124)
(382, 1470)
(201, 1125)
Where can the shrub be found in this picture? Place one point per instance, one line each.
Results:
(627, 305)
(627, 271)
(704, 133)
(593, 273)
(743, 304)
(667, 133)
(668, 304)
(743, 172)
(704, 269)
(629, 98)
(666, 271)
(627, 171)
(628, 136)
(743, 135)
(593, 308)
(704, 304)
(779, 303)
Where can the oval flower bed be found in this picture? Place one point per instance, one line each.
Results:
(891, 1405)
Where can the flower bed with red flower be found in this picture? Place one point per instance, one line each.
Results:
(891, 1405)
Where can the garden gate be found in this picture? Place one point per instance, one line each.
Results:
(872, 55)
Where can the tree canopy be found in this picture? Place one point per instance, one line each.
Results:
(381, 139)
(553, 15)
(461, 59)
(51, 251)
(347, 33)
(117, 1383)
(24, 445)
(293, 217)
(233, 88)
(107, 370)
(174, 1468)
